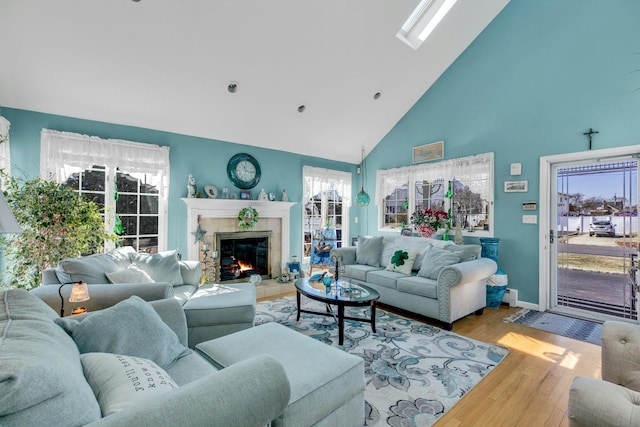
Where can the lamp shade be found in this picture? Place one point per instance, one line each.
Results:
(79, 292)
(8, 222)
(362, 198)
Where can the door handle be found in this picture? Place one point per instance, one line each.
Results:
(551, 236)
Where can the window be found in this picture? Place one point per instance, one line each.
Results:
(327, 198)
(128, 179)
(5, 157)
(469, 179)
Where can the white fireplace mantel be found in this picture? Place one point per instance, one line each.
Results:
(227, 208)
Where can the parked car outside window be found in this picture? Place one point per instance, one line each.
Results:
(602, 228)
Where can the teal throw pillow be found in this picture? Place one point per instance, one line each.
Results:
(435, 260)
(161, 267)
(369, 250)
(131, 328)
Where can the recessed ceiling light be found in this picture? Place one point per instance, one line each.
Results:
(232, 87)
(301, 108)
(376, 95)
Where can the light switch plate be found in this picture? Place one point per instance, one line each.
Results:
(516, 168)
(529, 219)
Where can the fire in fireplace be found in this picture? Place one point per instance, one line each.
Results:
(244, 253)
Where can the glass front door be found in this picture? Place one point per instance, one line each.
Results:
(595, 236)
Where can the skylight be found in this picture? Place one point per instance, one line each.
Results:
(423, 20)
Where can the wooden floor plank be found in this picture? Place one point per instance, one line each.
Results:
(530, 387)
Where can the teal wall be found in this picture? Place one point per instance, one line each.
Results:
(204, 158)
(542, 73)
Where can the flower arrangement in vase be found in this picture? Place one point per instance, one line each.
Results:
(427, 221)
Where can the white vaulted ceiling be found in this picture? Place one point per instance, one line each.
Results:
(166, 64)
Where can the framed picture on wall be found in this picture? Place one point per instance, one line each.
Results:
(516, 186)
(427, 152)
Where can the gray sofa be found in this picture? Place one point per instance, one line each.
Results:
(612, 401)
(212, 310)
(46, 380)
(429, 277)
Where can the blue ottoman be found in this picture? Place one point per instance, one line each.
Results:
(327, 384)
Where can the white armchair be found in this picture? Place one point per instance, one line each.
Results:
(614, 400)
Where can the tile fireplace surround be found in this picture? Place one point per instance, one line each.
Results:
(221, 215)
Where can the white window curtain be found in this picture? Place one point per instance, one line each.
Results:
(5, 152)
(475, 171)
(62, 153)
(388, 180)
(334, 191)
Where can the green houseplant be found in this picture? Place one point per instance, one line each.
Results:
(56, 224)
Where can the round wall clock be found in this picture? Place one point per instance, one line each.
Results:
(243, 170)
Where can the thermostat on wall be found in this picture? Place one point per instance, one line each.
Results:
(529, 206)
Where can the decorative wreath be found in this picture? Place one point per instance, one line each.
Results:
(247, 218)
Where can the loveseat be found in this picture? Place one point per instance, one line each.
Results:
(212, 310)
(130, 362)
(614, 400)
(433, 278)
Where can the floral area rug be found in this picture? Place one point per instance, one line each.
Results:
(414, 372)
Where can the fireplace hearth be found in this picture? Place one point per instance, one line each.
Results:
(243, 254)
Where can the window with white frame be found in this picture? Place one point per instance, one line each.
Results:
(400, 191)
(128, 179)
(326, 201)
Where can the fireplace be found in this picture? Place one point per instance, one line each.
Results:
(220, 216)
(244, 253)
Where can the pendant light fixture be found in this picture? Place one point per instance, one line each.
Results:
(362, 198)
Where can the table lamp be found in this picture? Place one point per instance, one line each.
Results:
(79, 293)
(8, 222)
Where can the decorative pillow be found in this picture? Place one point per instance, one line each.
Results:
(89, 269)
(41, 380)
(369, 250)
(162, 267)
(466, 252)
(131, 274)
(435, 261)
(122, 382)
(131, 327)
(92, 268)
(402, 261)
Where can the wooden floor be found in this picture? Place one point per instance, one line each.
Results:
(530, 387)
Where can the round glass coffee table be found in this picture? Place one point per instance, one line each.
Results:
(343, 294)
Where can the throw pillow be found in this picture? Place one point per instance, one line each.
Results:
(402, 261)
(369, 250)
(435, 261)
(122, 382)
(41, 379)
(162, 267)
(131, 274)
(131, 327)
(466, 252)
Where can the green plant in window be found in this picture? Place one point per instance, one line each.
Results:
(399, 258)
(56, 224)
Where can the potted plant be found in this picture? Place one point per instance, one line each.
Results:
(427, 221)
(56, 224)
